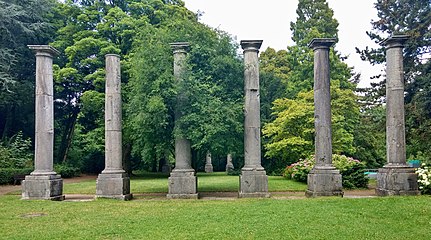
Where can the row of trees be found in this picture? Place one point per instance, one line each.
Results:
(140, 31)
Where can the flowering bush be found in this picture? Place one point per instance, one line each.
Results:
(424, 178)
(352, 170)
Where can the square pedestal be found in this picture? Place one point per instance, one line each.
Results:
(183, 184)
(324, 182)
(42, 187)
(397, 181)
(113, 185)
(253, 184)
(209, 168)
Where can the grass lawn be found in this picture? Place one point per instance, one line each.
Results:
(207, 182)
(322, 218)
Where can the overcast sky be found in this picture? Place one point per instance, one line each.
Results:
(269, 21)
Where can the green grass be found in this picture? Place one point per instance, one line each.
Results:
(322, 218)
(207, 182)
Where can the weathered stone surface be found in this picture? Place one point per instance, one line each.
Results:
(182, 180)
(113, 185)
(395, 178)
(253, 183)
(208, 164)
(113, 182)
(324, 179)
(397, 181)
(43, 182)
(253, 179)
(229, 163)
(46, 187)
(183, 184)
(324, 182)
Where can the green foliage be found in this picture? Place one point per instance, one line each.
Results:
(7, 174)
(412, 18)
(16, 152)
(352, 170)
(211, 90)
(67, 171)
(291, 133)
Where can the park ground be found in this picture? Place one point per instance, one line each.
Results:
(219, 214)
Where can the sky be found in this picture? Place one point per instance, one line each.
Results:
(269, 20)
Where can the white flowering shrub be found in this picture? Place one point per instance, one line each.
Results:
(424, 178)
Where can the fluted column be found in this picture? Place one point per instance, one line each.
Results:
(43, 182)
(396, 177)
(113, 182)
(324, 179)
(182, 180)
(253, 179)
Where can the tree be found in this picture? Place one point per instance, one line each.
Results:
(212, 114)
(412, 18)
(289, 136)
(21, 24)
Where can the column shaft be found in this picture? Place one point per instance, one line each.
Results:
(113, 182)
(395, 178)
(323, 179)
(253, 179)
(43, 182)
(182, 180)
(113, 116)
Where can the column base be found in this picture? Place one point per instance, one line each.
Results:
(324, 182)
(183, 184)
(253, 184)
(42, 187)
(113, 185)
(209, 168)
(397, 181)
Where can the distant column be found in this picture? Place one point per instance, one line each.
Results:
(323, 179)
(43, 182)
(229, 163)
(113, 182)
(208, 164)
(253, 179)
(182, 181)
(396, 177)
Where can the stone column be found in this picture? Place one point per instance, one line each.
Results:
(229, 164)
(182, 180)
(253, 179)
(208, 164)
(113, 182)
(323, 179)
(43, 182)
(396, 177)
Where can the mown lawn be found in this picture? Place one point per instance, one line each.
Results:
(207, 182)
(322, 218)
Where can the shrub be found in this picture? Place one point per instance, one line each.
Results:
(6, 174)
(352, 170)
(67, 171)
(16, 152)
(424, 178)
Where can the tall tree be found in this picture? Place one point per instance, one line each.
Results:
(413, 18)
(290, 135)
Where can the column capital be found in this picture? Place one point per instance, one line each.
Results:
(112, 55)
(180, 47)
(45, 50)
(251, 45)
(395, 41)
(321, 43)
